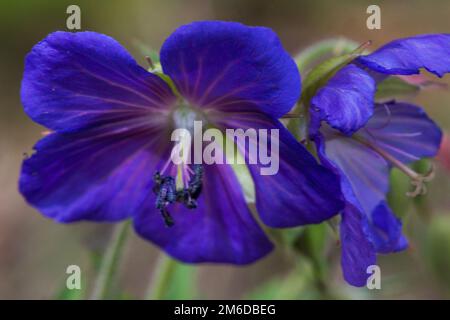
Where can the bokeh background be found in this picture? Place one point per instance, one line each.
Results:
(35, 252)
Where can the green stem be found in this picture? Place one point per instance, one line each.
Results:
(159, 283)
(110, 262)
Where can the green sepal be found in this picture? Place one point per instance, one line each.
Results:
(147, 51)
(323, 50)
(169, 82)
(394, 87)
(320, 75)
(398, 201)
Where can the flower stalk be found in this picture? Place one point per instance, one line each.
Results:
(161, 278)
(110, 262)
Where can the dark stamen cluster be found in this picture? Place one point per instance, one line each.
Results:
(167, 193)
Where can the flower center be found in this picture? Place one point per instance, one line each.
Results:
(167, 192)
(184, 117)
(178, 181)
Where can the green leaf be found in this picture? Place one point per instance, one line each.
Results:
(72, 294)
(393, 87)
(437, 249)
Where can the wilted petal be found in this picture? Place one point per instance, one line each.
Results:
(346, 102)
(409, 55)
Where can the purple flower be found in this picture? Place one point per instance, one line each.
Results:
(361, 140)
(108, 158)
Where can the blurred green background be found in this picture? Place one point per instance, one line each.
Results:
(34, 251)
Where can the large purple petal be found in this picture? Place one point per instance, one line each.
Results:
(362, 232)
(364, 173)
(221, 229)
(409, 55)
(94, 175)
(357, 251)
(346, 102)
(403, 130)
(301, 191)
(217, 64)
(78, 80)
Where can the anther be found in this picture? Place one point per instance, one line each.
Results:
(196, 184)
(183, 196)
(157, 182)
(168, 220)
(166, 192)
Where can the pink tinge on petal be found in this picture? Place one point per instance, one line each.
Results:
(46, 132)
(422, 81)
(444, 152)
